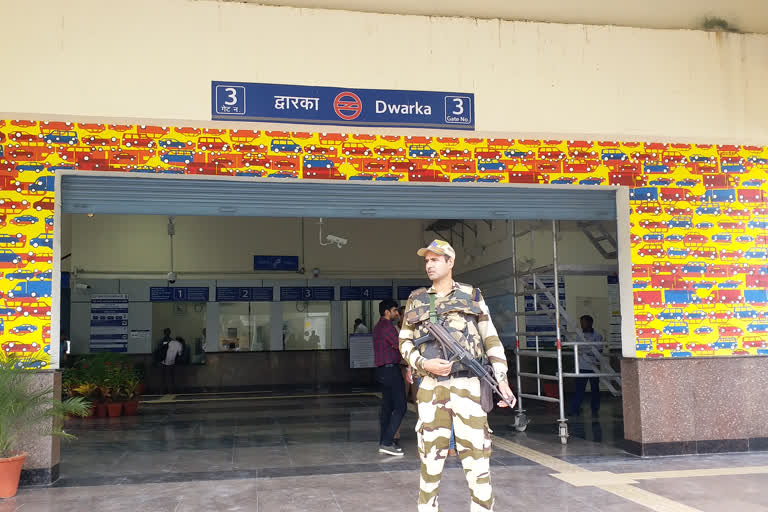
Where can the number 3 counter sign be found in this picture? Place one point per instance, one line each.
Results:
(338, 106)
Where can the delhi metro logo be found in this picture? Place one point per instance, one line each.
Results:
(347, 105)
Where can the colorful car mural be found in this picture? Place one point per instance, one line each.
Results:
(698, 211)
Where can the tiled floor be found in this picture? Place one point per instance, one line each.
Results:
(320, 454)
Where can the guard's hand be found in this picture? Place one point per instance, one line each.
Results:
(438, 366)
(507, 393)
(409, 375)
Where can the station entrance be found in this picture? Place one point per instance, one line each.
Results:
(544, 257)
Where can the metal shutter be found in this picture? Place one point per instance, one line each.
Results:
(168, 195)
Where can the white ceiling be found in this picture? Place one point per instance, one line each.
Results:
(744, 15)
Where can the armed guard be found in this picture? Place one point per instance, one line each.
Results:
(450, 394)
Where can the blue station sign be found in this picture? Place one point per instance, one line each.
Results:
(243, 101)
(307, 293)
(243, 294)
(365, 292)
(178, 294)
(403, 292)
(275, 263)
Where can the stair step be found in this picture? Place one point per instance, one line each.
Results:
(533, 291)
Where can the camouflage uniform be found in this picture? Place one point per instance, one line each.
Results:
(455, 399)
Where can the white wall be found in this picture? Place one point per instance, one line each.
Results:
(746, 15)
(138, 245)
(217, 247)
(150, 60)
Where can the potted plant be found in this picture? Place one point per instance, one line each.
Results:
(139, 372)
(93, 374)
(113, 384)
(69, 381)
(127, 383)
(129, 391)
(25, 410)
(76, 381)
(86, 390)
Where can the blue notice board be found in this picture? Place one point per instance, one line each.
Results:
(178, 294)
(365, 292)
(243, 294)
(403, 292)
(310, 293)
(243, 101)
(283, 263)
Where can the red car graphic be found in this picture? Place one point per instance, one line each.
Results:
(16, 347)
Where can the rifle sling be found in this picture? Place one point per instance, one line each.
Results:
(432, 309)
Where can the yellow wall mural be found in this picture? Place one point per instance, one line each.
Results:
(699, 220)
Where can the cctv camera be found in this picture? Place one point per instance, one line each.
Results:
(82, 286)
(171, 277)
(340, 242)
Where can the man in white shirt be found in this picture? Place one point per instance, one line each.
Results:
(588, 363)
(174, 350)
(360, 327)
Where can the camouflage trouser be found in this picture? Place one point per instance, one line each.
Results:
(457, 401)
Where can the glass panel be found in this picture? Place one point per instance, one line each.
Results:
(234, 327)
(306, 325)
(261, 325)
(502, 309)
(184, 319)
(243, 327)
(363, 311)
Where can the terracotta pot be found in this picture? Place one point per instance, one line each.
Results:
(10, 472)
(114, 409)
(130, 407)
(100, 410)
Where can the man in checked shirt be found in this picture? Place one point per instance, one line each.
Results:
(386, 346)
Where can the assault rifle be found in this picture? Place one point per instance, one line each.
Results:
(453, 351)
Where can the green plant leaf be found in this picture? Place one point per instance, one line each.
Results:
(28, 410)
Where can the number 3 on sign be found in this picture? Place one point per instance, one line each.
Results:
(230, 99)
(232, 95)
(458, 106)
(458, 109)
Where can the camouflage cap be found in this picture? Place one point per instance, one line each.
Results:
(438, 247)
